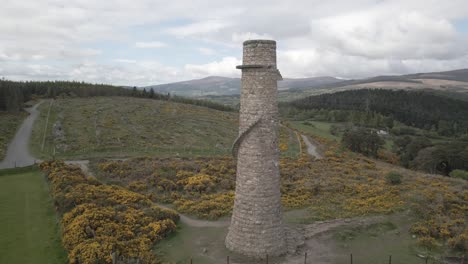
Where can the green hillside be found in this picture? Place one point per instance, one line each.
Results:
(123, 126)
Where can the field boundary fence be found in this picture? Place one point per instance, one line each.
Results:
(355, 260)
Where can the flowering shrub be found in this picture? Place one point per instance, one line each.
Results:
(210, 206)
(342, 184)
(443, 210)
(100, 221)
(199, 183)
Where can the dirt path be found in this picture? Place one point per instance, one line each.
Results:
(83, 164)
(198, 222)
(311, 148)
(18, 154)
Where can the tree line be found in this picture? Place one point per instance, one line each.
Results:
(414, 151)
(414, 108)
(359, 118)
(422, 154)
(13, 94)
(365, 112)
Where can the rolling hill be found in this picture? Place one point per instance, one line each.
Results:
(447, 83)
(126, 126)
(217, 86)
(226, 90)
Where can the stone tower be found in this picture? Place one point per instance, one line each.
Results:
(256, 226)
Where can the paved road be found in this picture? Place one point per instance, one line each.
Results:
(18, 149)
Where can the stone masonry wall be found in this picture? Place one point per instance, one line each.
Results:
(256, 226)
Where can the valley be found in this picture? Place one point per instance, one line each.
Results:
(176, 156)
(237, 132)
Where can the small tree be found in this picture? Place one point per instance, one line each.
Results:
(393, 178)
(362, 140)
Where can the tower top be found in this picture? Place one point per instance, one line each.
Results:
(259, 41)
(259, 53)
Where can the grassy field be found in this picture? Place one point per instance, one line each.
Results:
(387, 238)
(322, 129)
(119, 126)
(28, 224)
(189, 243)
(318, 128)
(9, 124)
(204, 245)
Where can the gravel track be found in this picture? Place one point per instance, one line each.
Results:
(18, 154)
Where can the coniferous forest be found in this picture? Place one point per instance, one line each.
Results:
(14, 93)
(414, 108)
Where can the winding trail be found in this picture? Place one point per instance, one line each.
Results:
(84, 166)
(311, 148)
(18, 154)
(197, 222)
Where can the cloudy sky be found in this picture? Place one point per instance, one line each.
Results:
(143, 42)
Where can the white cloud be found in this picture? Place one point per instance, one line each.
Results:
(207, 51)
(243, 36)
(225, 67)
(41, 39)
(380, 34)
(150, 45)
(197, 28)
(125, 61)
(127, 72)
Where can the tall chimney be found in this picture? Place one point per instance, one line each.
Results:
(256, 226)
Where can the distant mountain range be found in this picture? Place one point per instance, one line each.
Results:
(210, 87)
(217, 85)
(213, 85)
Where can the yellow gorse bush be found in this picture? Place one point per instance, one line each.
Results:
(443, 210)
(342, 184)
(210, 206)
(104, 220)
